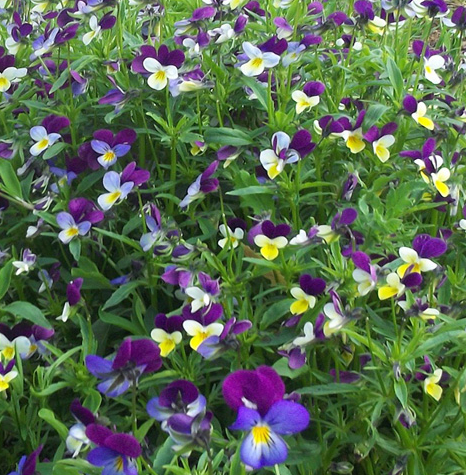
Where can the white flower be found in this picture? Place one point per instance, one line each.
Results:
(303, 101)
(43, 140)
(117, 191)
(95, 30)
(200, 298)
(9, 76)
(65, 313)
(160, 74)
(233, 237)
(200, 332)
(419, 116)
(309, 335)
(258, 60)
(431, 65)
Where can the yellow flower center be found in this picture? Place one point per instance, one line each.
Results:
(166, 347)
(109, 156)
(8, 352)
(261, 434)
(160, 76)
(43, 143)
(119, 464)
(256, 63)
(4, 83)
(114, 196)
(3, 384)
(428, 70)
(72, 232)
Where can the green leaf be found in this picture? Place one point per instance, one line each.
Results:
(118, 237)
(226, 136)
(401, 392)
(52, 388)
(116, 320)
(258, 90)
(93, 400)
(395, 76)
(236, 467)
(25, 310)
(144, 429)
(60, 81)
(121, 294)
(164, 456)
(75, 249)
(48, 416)
(54, 150)
(374, 114)
(10, 179)
(327, 389)
(5, 277)
(277, 311)
(252, 190)
(283, 369)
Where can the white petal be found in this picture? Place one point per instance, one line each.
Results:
(409, 255)
(251, 50)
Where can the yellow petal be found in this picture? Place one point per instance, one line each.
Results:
(355, 144)
(426, 122)
(269, 252)
(198, 339)
(387, 292)
(299, 306)
(273, 171)
(166, 347)
(434, 390)
(442, 188)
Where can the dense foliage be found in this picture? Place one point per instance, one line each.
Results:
(232, 237)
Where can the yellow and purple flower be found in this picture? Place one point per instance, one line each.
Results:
(381, 140)
(305, 294)
(167, 332)
(116, 452)
(418, 111)
(258, 60)
(365, 273)
(308, 97)
(110, 147)
(271, 239)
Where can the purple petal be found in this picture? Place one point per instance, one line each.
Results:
(98, 366)
(146, 353)
(124, 444)
(348, 216)
(81, 413)
(73, 291)
(123, 355)
(410, 104)
(287, 417)
(97, 433)
(428, 147)
(412, 280)
(310, 285)
(245, 419)
(313, 88)
(362, 260)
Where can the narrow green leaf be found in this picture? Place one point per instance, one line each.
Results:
(10, 179)
(25, 310)
(48, 416)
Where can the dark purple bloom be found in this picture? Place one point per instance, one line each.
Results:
(135, 174)
(427, 246)
(110, 147)
(179, 397)
(115, 452)
(302, 140)
(27, 465)
(271, 231)
(435, 6)
(162, 55)
(134, 358)
(258, 389)
(204, 184)
(73, 291)
(177, 276)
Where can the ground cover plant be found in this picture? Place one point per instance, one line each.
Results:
(232, 237)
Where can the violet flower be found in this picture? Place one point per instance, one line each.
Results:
(27, 464)
(381, 140)
(134, 358)
(115, 452)
(167, 332)
(77, 438)
(365, 273)
(264, 446)
(203, 185)
(110, 147)
(271, 238)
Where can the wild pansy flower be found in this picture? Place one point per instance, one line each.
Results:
(8, 73)
(175, 275)
(284, 29)
(338, 315)
(271, 239)
(73, 295)
(200, 332)
(18, 32)
(216, 345)
(204, 184)
(431, 64)
(339, 225)
(381, 140)
(258, 60)
(46, 135)
(418, 112)
(116, 452)
(167, 332)
(27, 464)
(293, 53)
(7, 374)
(420, 308)
(110, 147)
(96, 26)
(396, 286)
(294, 351)
(179, 397)
(77, 438)
(308, 97)
(352, 134)
(158, 235)
(26, 263)
(365, 273)
(366, 16)
(232, 233)
(305, 294)
(275, 159)
(417, 259)
(204, 295)
(457, 21)
(117, 191)
(82, 215)
(431, 386)
(133, 358)
(258, 397)
(430, 166)
(158, 65)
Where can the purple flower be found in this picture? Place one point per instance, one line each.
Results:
(381, 139)
(77, 437)
(110, 147)
(365, 273)
(82, 215)
(115, 452)
(175, 275)
(179, 397)
(255, 389)
(264, 446)
(134, 358)
(27, 465)
(204, 184)
(216, 345)
(187, 431)
(73, 291)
